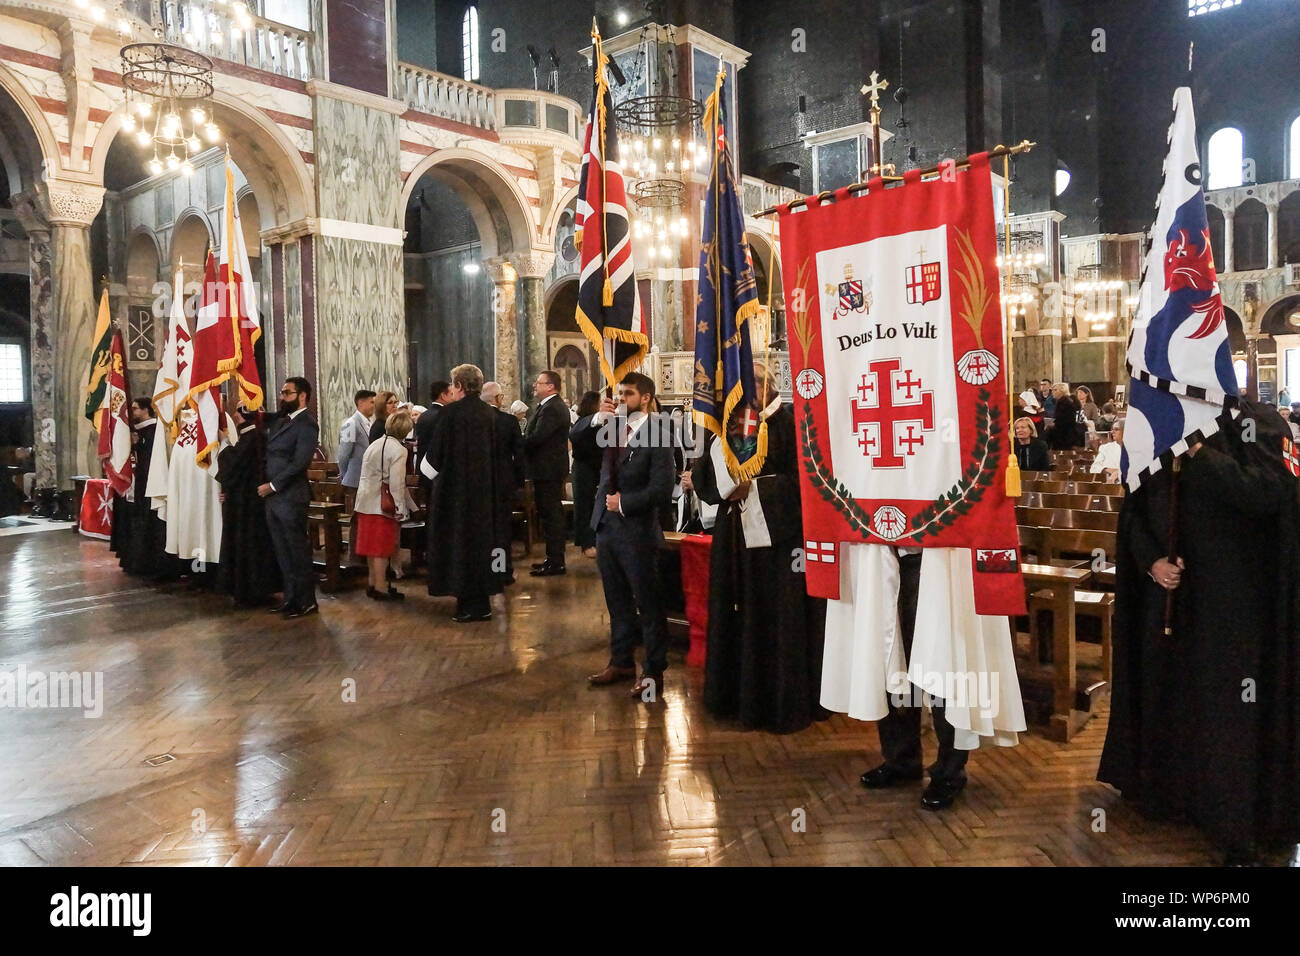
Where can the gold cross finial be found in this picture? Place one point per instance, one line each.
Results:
(874, 89)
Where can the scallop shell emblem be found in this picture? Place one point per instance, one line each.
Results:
(978, 367)
(889, 522)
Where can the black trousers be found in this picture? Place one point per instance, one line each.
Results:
(629, 570)
(546, 497)
(476, 604)
(900, 730)
(287, 522)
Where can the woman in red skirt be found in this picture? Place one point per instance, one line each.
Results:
(377, 533)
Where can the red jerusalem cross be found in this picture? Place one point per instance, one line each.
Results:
(885, 414)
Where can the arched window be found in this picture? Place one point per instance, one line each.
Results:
(469, 42)
(1294, 152)
(1224, 159)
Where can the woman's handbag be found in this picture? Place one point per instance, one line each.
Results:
(387, 504)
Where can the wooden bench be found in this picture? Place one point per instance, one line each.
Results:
(1062, 584)
(1065, 547)
(323, 521)
(1067, 518)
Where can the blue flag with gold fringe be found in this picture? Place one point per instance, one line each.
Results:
(724, 393)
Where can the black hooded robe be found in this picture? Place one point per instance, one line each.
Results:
(1205, 724)
(763, 664)
(248, 570)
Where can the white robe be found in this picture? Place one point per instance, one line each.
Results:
(193, 508)
(965, 658)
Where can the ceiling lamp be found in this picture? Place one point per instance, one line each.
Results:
(173, 86)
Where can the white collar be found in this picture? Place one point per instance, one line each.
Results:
(141, 426)
(771, 409)
(547, 399)
(293, 415)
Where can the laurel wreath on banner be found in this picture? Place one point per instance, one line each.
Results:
(939, 514)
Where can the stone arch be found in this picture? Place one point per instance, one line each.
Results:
(1274, 317)
(190, 241)
(143, 262)
(1288, 228)
(272, 164)
(554, 290)
(1217, 224)
(552, 223)
(27, 164)
(500, 210)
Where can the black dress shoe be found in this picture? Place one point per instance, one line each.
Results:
(280, 608)
(548, 570)
(395, 595)
(376, 595)
(470, 618)
(538, 565)
(304, 611)
(940, 794)
(887, 775)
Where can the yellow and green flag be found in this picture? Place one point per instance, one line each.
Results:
(101, 361)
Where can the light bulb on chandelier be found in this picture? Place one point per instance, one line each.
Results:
(154, 166)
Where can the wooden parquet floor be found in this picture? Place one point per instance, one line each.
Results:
(477, 744)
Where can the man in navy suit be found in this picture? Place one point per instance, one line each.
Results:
(546, 450)
(290, 446)
(636, 481)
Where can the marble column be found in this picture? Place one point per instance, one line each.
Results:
(41, 355)
(1228, 217)
(59, 214)
(506, 362)
(1272, 235)
(530, 307)
(353, 308)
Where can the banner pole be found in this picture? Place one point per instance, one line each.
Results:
(1006, 282)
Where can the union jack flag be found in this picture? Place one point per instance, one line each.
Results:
(609, 308)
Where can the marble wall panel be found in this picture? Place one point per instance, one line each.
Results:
(74, 324)
(356, 160)
(293, 358)
(360, 325)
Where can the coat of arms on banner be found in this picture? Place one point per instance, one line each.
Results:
(902, 416)
(852, 295)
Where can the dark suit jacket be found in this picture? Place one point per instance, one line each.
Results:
(645, 483)
(546, 440)
(290, 446)
(510, 444)
(424, 432)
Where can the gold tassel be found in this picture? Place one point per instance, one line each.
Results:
(1013, 476)
(609, 292)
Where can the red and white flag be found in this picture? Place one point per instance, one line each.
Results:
(213, 355)
(171, 390)
(227, 328)
(114, 448)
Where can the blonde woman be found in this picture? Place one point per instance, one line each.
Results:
(377, 533)
(1031, 451)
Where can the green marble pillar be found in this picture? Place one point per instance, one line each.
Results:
(530, 309)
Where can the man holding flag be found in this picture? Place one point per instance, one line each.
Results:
(1205, 716)
(637, 475)
(765, 633)
(106, 389)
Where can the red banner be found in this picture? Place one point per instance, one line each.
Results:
(900, 393)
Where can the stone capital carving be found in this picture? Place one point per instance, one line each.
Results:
(70, 203)
(533, 264)
(500, 270)
(283, 232)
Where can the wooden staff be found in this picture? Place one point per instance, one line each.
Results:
(1173, 542)
(1022, 147)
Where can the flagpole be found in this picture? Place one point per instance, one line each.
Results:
(1023, 146)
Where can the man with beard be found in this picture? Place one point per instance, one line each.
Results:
(1205, 720)
(290, 446)
(464, 555)
(248, 571)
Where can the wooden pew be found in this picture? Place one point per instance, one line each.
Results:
(1061, 546)
(1067, 518)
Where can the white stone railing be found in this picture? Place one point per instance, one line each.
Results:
(448, 97)
(535, 111)
(216, 32)
(759, 194)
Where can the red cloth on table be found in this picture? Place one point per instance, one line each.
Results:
(695, 585)
(97, 509)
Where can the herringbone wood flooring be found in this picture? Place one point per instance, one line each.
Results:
(474, 744)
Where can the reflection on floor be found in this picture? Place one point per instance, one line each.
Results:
(387, 734)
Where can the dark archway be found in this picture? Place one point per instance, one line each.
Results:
(1250, 236)
(1288, 229)
(1215, 216)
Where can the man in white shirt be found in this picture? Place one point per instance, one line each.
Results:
(1107, 461)
(354, 438)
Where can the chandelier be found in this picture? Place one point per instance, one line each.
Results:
(168, 103)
